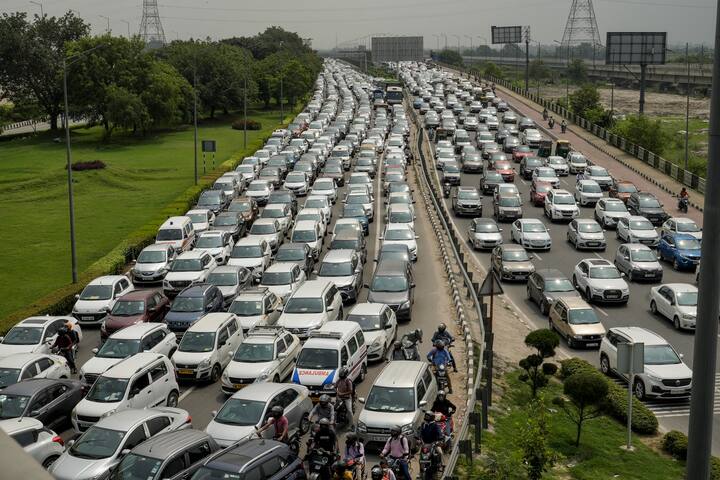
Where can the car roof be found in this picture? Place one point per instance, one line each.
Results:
(636, 218)
(235, 458)
(682, 220)
(399, 373)
(280, 267)
(550, 273)
(339, 255)
(530, 220)
(367, 308)
(138, 330)
(31, 386)
(41, 321)
(260, 391)
(681, 287)
(306, 225)
(157, 246)
(176, 221)
(227, 269)
(598, 262)
(681, 236)
(124, 420)
(211, 322)
(195, 290)
(560, 191)
(293, 246)
(312, 288)
(107, 280)
(639, 334)
(249, 241)
(138, 295)
(254, 293)
(18, 360)
(192, 254)
(164, 445)
(127, 367)
(12, 426)
(574, 302)
(391, 266)
(213, 233)
(265, 221)
(510, 247)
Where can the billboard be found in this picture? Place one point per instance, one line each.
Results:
(506, 34)
(392, 49)
(638, 48)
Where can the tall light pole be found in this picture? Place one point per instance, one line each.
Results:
(687, 105)
(68, 154)
(245, 112)
(195, 127)
(445, 35)
(471, 42)
(128, 27)
(437, 38)
(282, 108)
(458, 39)
(42, 13)
(107, 19)
(567, 75)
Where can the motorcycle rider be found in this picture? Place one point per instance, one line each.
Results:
(563, 126)
(397, 447)
(440, 356)
(355, 450)
(446, 407)
(545, 114)
(64, 343)
(430, 431)
(323, 410)
(345, 390)
(551, 122)
(379, 472)
(442, 334)
(324, 437)
(279, 421)
(340, 471)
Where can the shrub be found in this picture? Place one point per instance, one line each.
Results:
(91, 165)
(675, 443)
(574, 365)
(249, 125)
(714, 468)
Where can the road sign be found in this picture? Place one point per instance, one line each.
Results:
(506, 34)
(631, 358)
(490, 286)
(209, 146)
(639, 48)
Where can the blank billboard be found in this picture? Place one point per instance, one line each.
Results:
(506, 34)
(626, 48)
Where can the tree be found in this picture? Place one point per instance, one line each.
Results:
(586, 391)
(450, 57)
(642, 131)
(538, 70)
(576, 71)
(125, 109)
(533, 439)
(167, 95)
(536, 374)
(584, 99)
(32, 54)
(297, 80)
(492, 70)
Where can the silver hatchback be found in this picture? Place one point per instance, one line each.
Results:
(44, 445)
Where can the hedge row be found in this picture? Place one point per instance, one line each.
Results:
(643, 420)
(60, 301)
(249, 125)
(676, 444)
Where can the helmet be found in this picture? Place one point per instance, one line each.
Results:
(418, 334)
(395, 431)
(439, 344)
(429, 417)
(343, 373)
(277, 411)
(442, 327)
(63, 330)
(324, 422)
(324, 398)
(376, 473)
(339, 466)
(397, 345)
(351, 437)
(441, 394)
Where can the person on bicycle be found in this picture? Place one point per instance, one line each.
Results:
(355, 450)
(64, 343)
(345, 390)
(278, 420)
(323, 409)
(397, 447)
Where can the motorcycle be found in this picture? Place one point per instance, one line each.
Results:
(683, 204)
(441, 377)
(409, 343)
(356, 467)
(294, 442)
(443, 421)
(430, 461)
(446, 190)
(320, 464)
(395, 466)
(342, 419)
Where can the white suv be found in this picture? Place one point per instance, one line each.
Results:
(665, 374)
(560, 205)
(188, 269)
(600, 281)
(98, 297)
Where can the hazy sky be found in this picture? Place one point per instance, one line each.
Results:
(326, 21)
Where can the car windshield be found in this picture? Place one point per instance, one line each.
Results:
(97, 443)
(246, 308)
(334, 269)
(641, 225)
(295, 178)
(368, 323)
(389, 283)
(592, 188)
(687, 227)
(151, 256)
(589, 227)
(533, 227)
(168, 234)
(627, 188)
(687, 299)
(209, 197)
(556, 161)
(97, 292)
(604, 272)
(257, 187)
(643, 255)
(240, 207)
(486, 227)
(241, 412)
(304, 236)
(468, 195)
(304, 305)
(399, 234)
(564, 200)
(545, 172)
(543, 188)
(254, 352)
(322, 185)
(391, 400)
(209, 241)
(247, 251)
(313, 217)
(353, 211)
(688, 244)
(13, 406)
(648, 202)
(23, 336)
(558, 285)
(450, 168)
(661, 355)
(290, 255)
(188, 304)
(276, 278)
(226, 220)
(533, 162)
(262, 229)
(317, 359)
(118, 348)
(357, 199)
(136, 467)
(108, 390)
(515, 256)
(598, 172)
(344, 245)
(197, 342)
(186, 265)
(615, 207)
(316, 203)
(400, 217)
(509, 201)
(583, 316)
(8, 376)
(223, 279)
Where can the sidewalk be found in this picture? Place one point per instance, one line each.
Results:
(620, 164)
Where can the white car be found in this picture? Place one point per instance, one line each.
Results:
(585, 233)
(531, 233)
(99, 296)
(281, 213)
(682, 225)
(587, 192)
(202, 219)
(326, 187)
(283, 279)
(346, 224)
(637, 229)
(321, 202)
(677, 302)
(34, 335)
(253, 254)
(249, 172)
(217, 243)
(22, 366)
(531, 137)
(267, 354)
(559, 164)
(484, 233)
(379, 325)
(577, 162)
(152, 263)
(260, 191)
(600, 175)
(401, 233)
(297, 182)
(231, 280)
(188, 269)
(664, 373)
(314, 215)
(609, 211)
(547, 175)
(600, 281)
(560, 205)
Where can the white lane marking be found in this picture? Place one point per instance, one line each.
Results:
(598, 256)
(602, 311)
(562, 180)
(537, 256)
(186, 393)
(522, 180)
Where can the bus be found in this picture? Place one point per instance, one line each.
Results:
(393, 95)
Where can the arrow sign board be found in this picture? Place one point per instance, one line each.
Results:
(490, 286)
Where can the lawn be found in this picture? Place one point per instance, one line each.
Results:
(674, 126)
(598, 457)
(142, 176)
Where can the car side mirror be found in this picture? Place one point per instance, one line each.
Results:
(422, 403)
(77, 296)
(124, 452)
(627, 257)
(70, 443)
(213, 413)
(681, 355)
(95, 351)
(34, 413)
(412, 284)
(280, 308)
(361, 399)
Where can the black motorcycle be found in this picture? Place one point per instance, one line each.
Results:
(431, 462)
(320, 464)
(342, 417)
(441, 377)
(446, 189)
(396, 467)
(683, 204)
(409, 343)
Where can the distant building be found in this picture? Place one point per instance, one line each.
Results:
(391, 49)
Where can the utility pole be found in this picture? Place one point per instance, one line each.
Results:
(437, 38)
(107, 19)
(195, 135)
(282, 106)
(687, 105)
(128, 27)
(445, 35)
(245, 113)
(527, 59)
(471, 43)
(39, 4)
(705, 351)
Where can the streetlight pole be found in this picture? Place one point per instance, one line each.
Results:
(282, 109)
(687, 105)
(42, 13)
(107, 19)
(245, 112)
(471, 43)
(128, 26)
(195, 126)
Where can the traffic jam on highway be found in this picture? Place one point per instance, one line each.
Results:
(580, 252)
(268, 333)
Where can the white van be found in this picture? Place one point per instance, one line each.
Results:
(207, 347)
(327, 350)
(178, 232)
(313, 304)
(144, 380)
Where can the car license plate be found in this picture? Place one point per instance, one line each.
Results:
(593, 344)
(593, 244)
(88, 319)
(649, 275)
(613, 296)
(238, 386)
(185, 371)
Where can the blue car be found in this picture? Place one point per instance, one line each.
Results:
(681, 249)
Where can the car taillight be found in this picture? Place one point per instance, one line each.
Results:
(57, 439)
(188, 419)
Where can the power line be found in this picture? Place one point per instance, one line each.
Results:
(657, 4)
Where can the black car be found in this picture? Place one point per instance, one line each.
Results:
(647, 205)
(192, 304)
(395, 251)
(285, 197)
(528, 165)
(49, 401)
(214, 200)
(488, 181)
(547, 285)
(350, 240)
(299, 253)
(231, 222)
(251, 459)
(393, 284)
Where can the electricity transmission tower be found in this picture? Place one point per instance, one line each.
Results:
(151, 30)
(581, 26)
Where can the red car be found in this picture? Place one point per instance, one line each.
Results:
(521, 152)
(622, 189)
(135, 307)
(538, 192)
(505, 169)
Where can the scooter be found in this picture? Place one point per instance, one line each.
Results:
(683, 203)
(409, 343)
